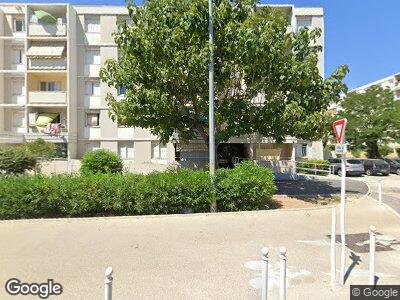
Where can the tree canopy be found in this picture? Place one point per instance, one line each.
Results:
(267, 79)
(373, 119)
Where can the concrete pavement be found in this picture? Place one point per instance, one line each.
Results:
(214, 256)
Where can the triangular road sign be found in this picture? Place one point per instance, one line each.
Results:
(338, 129)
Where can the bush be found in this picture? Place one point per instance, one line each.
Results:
(101, 161)
(41, 149)
(174, 191)
(16, 160)
(246, 187)
(315, 166)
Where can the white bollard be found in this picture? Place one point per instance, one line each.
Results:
(108, 284)
(333, 248)
(372, 241)
(264, 291)
(282, 278)
(380, 191)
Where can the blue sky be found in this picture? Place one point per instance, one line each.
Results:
(364, 34)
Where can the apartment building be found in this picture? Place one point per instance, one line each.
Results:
(50, 57)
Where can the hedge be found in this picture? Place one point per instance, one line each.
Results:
(307, 163)
(246, 187)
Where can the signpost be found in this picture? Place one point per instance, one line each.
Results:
(341, 148)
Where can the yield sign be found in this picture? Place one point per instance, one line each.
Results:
(338, 129)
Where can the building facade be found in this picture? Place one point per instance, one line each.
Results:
(50, 57)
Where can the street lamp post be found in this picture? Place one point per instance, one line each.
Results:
(211, 122)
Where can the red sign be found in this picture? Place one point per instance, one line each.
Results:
(338, 129)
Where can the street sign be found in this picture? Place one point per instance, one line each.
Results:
(341, 149)
(338, 129)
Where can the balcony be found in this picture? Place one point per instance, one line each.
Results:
(41, 97)
(62, 137)
(8, 137)
(47, 64)
(92, 132)
(36, 29)
(92, 70)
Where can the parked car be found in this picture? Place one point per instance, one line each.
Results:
(394, 165)
(376, 166)
(353, 166)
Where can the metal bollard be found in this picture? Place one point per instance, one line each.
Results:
(380, 191)
(108, 284)
(264, 291)
(372, 241)
(333, 248)
(282, 277)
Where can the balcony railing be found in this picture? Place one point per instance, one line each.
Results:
(48, 64)
(8, 137)
(41, 97)
(62, 137)
(36, 29)
(92, 70)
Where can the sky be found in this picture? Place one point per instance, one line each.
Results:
(363, 34)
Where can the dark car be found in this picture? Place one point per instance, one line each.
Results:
(353, 166)
(376, 166)
(394, 165)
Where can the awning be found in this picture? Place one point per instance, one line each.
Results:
(46, 51)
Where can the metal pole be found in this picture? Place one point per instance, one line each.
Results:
(108, 284)
(282, 277)
(264, 291)
(211, 124)
(372, 241)
(342, 217)
(333, 248)
(380, 191)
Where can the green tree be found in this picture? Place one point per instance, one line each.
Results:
(373, 118)
(266, 76)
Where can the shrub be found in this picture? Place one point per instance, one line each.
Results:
(41, 149)
(101, 161)
(67, 196)
(312, 166)
(174, 191)
(16, 160)
(246, 187)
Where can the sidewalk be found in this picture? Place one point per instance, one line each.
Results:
(203, 256)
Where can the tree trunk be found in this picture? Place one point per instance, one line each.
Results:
(373, 149)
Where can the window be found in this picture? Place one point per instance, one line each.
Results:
(19, 25)
(121, 90)
(126, 150)
(92, 88)
(50, 86)
(92, 57)
(304, 22)
(18, 56)
(93, 146)
(92, 24)
(92, 119)
(159, 151)
(304, 150)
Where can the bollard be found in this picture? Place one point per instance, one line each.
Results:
(108, 284)
(380, 191)
(282, 278)
(333, 248)
(372, 241)
(264, 291)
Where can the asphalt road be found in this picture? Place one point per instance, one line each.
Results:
(390, 189)
(320, 186)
